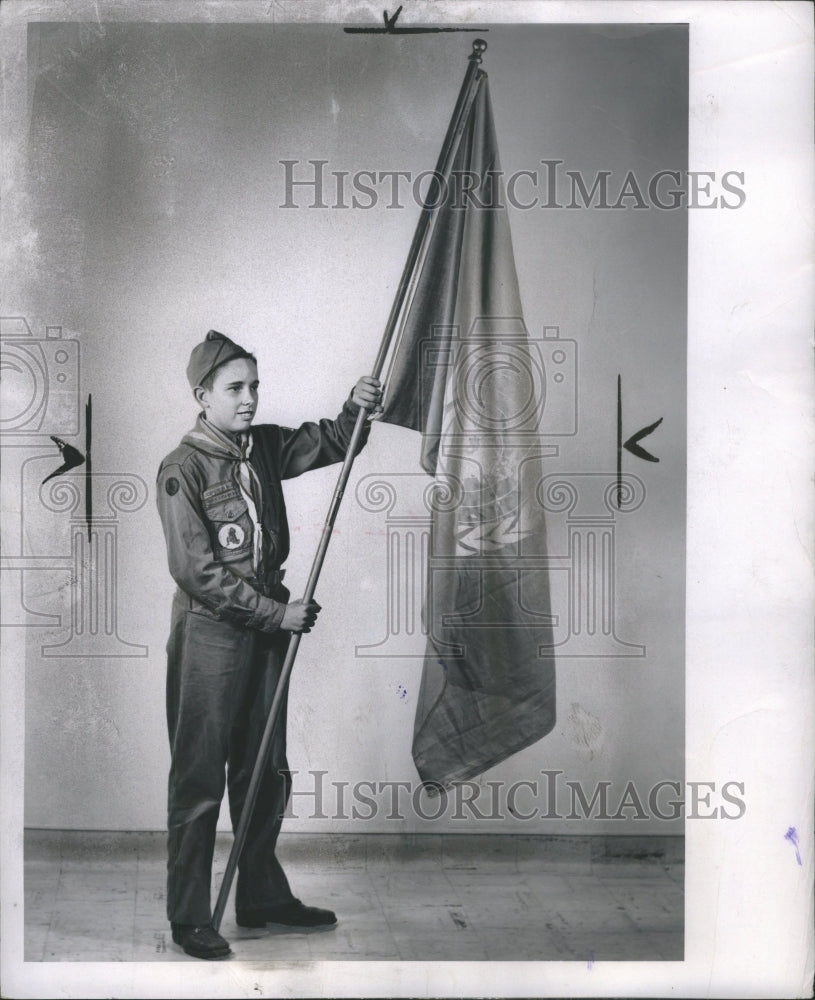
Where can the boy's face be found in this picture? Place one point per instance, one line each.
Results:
(231, 403)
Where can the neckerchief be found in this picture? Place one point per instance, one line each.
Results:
(223, 445)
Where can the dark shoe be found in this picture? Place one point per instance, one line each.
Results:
(293, 914)
(200, 942)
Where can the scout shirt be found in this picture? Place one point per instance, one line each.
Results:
(215, 494)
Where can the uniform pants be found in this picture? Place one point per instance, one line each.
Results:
(221, 679)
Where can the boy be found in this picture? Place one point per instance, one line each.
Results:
(221, 505)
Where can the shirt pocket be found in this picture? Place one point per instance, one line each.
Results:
(228, 518)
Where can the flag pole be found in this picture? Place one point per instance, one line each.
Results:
(466, 96)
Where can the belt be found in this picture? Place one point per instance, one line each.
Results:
(272, 579)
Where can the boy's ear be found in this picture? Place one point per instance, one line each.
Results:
(200, 394)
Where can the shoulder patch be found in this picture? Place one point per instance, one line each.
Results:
(171, 486)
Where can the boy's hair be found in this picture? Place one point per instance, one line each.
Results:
(209, 380)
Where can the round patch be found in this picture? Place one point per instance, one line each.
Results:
(231, 536)
(171, 486)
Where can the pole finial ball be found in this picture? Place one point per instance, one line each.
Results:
(479, 48)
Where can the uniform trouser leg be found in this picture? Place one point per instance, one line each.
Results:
(218, 682)
(207, 668)
(261, 880)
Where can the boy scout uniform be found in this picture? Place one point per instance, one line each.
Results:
(221, 506)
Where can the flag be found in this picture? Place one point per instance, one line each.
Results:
(464, 373)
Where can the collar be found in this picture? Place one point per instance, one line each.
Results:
(210, 439)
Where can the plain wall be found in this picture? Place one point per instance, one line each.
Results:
(147, 206)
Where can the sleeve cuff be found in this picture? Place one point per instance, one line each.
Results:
(350, 404)
(268, 615)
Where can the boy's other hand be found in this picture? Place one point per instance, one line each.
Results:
(368, 394)
(299, 616)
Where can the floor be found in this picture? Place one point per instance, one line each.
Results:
(100, 897)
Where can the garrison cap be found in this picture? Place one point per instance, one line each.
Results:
(215, 350)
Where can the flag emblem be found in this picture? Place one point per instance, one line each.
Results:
(489, 517)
